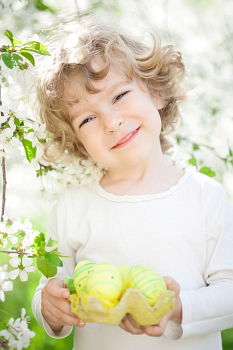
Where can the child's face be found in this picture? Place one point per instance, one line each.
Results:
(119, 125)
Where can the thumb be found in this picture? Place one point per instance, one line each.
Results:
(172, 285)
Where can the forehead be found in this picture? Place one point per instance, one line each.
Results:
(75, 88)
(76, 85)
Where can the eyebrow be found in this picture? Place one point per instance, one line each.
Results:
(115, 86)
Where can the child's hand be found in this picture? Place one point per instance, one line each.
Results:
(131, 326)
(55, 306)
(157, 330)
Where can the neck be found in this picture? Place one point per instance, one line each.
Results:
(150, 176)
(138, 173)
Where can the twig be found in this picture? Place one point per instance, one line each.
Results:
(4, 182)
(3, 167)
(14, 252)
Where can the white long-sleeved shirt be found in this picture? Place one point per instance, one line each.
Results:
(185, 232)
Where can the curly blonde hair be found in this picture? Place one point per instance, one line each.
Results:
(159, 67)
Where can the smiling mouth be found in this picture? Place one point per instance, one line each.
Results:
(128, 138)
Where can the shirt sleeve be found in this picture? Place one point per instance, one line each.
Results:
(210, 308)
(57, 227)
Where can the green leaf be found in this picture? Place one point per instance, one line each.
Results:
(230, 152)
(28, 56)
(18, 60)
(178, 139)
(40, 5)
(29, 131)
(9, 35)
(45, 267)
(53, 259)
(39, 243)
(195, 147)
(207, 171)
(51, 242)
(7, 59)
(13, 41)
(214, 111)
(39, 172)
(35, 46)
(192, 161)
(17, 121)
(13, 60)
(30, 150)
(69, 282)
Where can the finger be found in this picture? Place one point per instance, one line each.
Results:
(154, 331)
(172, 285)
(61, 304)
(55, 287)
(64, 307)
(130, 329)
(130, 326)
(51, 315)
(54, 314)
(132, 321)
(157, 330)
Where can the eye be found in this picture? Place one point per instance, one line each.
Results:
(87, 120)
(119, 97)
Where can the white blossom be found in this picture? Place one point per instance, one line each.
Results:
(17, 333)
(40, 131)
(12, 123)
(5, 284)
(6, 234)
(5, 110)
(23, 266)
(13, 227)
(8, 146)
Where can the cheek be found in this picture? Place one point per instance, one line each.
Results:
(93, 147)
(88, 145)
(152, 117)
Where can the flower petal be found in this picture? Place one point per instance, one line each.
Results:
(2, 296)
(26, 261)
(7, 286)
(23, 312)
(30, 269)
(15, 262)
(23, 275)
(13, 274)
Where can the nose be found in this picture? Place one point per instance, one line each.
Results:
(112, 121)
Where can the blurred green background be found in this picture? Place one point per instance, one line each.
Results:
(203, 31)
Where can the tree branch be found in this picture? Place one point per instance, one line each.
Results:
(4, 182)
(15, 252)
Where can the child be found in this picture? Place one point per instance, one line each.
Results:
(112, 99)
